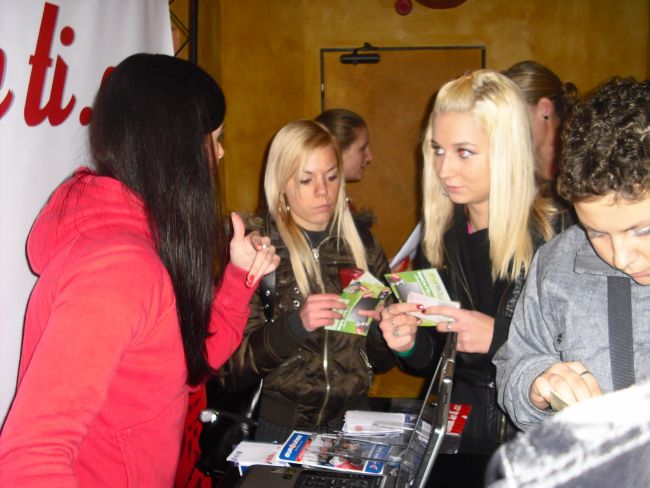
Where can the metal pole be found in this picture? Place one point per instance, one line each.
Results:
(194, 30)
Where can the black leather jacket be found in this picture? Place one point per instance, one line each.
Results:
(474, 376)
(309, 378)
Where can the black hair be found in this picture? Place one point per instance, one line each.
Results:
(149, 130)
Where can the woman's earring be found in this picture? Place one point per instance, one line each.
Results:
(283, 206)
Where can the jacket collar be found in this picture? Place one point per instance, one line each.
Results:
(588, 262)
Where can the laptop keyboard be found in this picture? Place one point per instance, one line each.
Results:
(335, 480)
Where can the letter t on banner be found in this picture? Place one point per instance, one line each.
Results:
(52, 59)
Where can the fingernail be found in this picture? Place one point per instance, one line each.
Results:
(250, 280)
(418, 322)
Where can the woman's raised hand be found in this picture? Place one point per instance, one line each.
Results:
(320, 310)
(399, 328)
(252, 253)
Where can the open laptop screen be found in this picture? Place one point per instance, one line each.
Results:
(418, 458)
(431, 425)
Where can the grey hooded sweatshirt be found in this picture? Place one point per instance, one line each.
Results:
(561, 315)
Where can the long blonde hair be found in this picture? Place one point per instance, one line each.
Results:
(496, 103)
(290, 149)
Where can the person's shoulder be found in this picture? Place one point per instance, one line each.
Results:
(123, 270)
(581, 437)
(561, 250)
(124, 254)
(363, 221)
(563, 216)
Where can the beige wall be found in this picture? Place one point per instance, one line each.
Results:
(265, 53)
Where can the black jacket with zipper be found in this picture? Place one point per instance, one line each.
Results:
(474, 374)
(312, 378)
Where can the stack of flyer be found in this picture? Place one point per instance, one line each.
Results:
(336, 452)
(365, 422)
(377, 424)
(248, 453)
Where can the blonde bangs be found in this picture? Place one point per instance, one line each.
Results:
(497, 104)
(289, 151)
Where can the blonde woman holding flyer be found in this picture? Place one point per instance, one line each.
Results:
(481, 227)
(311, 375)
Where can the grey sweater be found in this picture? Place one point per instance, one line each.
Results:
(561, 315)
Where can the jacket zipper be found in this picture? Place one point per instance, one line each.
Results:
(321, 413)
(319, 419)
(364, 357)
(292, 360)
(502, 430)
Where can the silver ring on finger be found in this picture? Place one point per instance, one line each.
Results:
(265, 247)
(396, 331)
(448, 326)
(393, 323)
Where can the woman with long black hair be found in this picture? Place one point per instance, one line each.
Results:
(137, 298)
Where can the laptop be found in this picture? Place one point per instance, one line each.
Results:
(424, 444)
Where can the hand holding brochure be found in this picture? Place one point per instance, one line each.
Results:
(430, 302)
(363, 293)
(422, 286)
(334, 452)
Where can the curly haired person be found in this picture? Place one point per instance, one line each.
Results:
(580, 325)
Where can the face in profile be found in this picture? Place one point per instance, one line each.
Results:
(460, 148)
(357, 156)
(619, 232)
(312, 194)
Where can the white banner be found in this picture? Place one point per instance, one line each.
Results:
(53, 56)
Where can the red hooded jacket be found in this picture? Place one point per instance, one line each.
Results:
(101, 395)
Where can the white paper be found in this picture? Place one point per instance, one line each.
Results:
(410, 246)
(428, 301)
